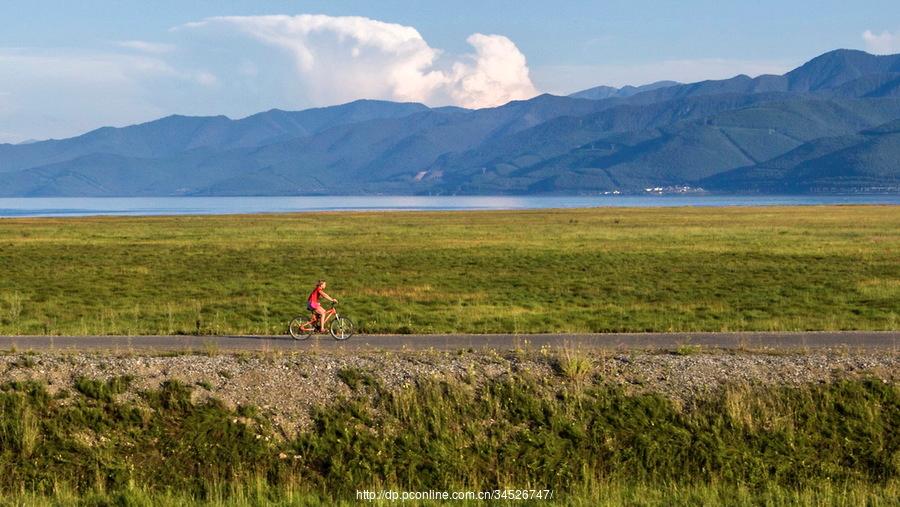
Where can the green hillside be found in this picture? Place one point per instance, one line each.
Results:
(866, 162)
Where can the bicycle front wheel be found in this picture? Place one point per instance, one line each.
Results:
(341, 328)
(300, 328)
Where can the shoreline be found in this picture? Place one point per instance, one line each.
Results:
(146, 207)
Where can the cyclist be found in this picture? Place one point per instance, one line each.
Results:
(312, 303)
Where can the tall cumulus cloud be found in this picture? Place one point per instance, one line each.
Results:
(336, 59)
(241, 65)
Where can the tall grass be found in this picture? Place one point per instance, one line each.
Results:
(574, 365)
(14, 303)
(709, 269)
(836, 443)
(607, 494)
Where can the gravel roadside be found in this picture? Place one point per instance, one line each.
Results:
(286, 386)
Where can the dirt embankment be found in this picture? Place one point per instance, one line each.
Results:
(286, 386)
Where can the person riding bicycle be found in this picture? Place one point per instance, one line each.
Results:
(312, 303)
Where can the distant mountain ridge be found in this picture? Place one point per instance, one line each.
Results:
(175, 134)
(607, 92)
(830, 125)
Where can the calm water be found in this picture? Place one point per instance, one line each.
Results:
(76, 206)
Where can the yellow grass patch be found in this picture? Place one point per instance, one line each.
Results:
(402, 291)
(886, 288)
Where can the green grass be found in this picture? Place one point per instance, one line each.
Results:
(355, 378)
(688, 269)
(686, 349)
(574, 365)
(827, 494)
(102, 390)
(823, 444)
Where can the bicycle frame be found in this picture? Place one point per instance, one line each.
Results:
(329, 314)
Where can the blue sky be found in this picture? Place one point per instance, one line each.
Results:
(67, 67)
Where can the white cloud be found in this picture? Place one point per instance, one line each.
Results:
(884, 43)
(238, 66)
(496, 74)
(344, 58)
(205, 78)
(154, 48)
(565, 79)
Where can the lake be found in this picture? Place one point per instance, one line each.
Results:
(140, 206)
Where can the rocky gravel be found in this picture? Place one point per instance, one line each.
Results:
(285, 386)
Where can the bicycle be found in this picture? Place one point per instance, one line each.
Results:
(302, 328)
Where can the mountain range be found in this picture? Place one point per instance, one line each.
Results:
(831, 125)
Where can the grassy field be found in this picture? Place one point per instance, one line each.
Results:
(824, 444)
(598, 270)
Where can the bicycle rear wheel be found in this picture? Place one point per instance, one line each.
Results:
(341, 328)
(300, 328)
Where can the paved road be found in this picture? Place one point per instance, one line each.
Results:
(889, 340)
